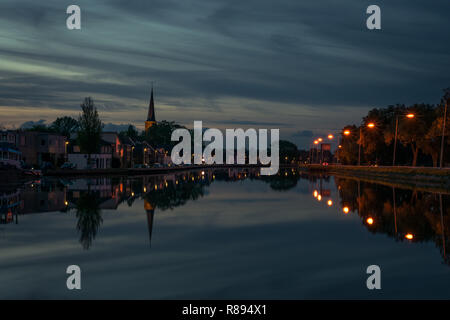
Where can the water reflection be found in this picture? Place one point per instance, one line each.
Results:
(405, 215)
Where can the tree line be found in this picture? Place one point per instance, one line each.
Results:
(419, 135)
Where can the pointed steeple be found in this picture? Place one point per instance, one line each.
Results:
(151, 108)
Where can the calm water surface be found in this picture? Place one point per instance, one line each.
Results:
(223, 234)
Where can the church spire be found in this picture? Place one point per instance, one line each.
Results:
(151, 113)
(151, 108)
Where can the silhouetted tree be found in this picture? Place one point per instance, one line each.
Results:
(65, 126)
(90, 128)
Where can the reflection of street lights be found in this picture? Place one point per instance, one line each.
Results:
(409, 116)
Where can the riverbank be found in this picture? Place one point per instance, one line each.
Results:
(411, 177)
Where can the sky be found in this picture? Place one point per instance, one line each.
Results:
(305, 67)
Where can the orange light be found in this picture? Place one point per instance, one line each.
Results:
(330, 136)
(319, 197)
(66, 203)
(371, 125)
(346, 210)
(409, 236)
(320, 139)
(330, 203)
(410, 115)
(347, 132)
(340, 146)
(315, 193)
(316, 142)
(369, 221)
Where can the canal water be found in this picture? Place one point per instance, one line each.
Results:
(224, 234)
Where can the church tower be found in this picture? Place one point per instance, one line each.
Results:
(151, 113)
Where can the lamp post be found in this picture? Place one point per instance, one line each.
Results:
(409, 116)
(369, 125)
(66, 144)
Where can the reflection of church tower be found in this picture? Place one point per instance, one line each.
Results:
(150, 213)
(151, 113)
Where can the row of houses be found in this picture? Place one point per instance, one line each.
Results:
(41, 149)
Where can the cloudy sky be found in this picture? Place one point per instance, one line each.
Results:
(306, 67)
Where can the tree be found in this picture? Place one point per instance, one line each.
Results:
(90, 128)
(159, 135)
(348, 153)
(131, 133)
(434, 134)
(288, 151)
(413, 131)
(65, 126)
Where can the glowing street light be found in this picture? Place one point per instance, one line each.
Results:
(319, 197)
(346, 210)
(409, 116)
(315, 193)
(347, 132)
(371, 125)
(320, 139)
(330, 203)
(409, 236)
(330, 136)
(370, 221)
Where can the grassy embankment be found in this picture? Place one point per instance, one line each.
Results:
(424, 178)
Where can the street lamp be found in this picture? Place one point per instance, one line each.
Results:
(409, 116)
(369, 125)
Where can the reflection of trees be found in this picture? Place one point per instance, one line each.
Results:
(282, 181)
(89, 218)
(175, 195)
(411, 211)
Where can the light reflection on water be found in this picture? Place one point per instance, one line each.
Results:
(223, 234)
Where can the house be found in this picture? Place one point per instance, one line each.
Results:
(122, 149)
(10, 155)
(127, 146)
(39, 147)
(144, 153)
(8, 136)
(100, 160)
